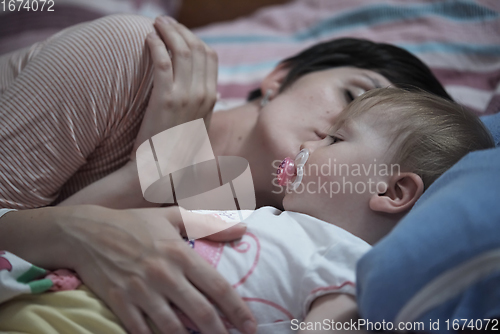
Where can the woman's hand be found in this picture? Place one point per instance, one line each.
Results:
(185, 79)
(136, 261)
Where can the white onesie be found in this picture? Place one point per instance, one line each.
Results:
(284, 261)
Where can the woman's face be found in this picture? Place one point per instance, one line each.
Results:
(309, 107)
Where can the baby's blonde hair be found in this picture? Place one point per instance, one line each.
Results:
(431, 133)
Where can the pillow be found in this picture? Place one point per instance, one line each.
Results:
(492, 122)
(441, 263)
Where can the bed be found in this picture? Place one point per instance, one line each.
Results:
(457, 39)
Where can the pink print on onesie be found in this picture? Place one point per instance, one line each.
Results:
(247, 251)
(4, 263)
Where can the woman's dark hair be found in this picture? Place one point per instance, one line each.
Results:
(399, 66)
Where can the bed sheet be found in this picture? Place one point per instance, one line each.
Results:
(458, 39)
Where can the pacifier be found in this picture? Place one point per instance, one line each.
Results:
(288, 169)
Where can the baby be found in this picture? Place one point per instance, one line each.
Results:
(296, 268)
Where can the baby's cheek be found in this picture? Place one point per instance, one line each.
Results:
(286, 202)
(296, 202)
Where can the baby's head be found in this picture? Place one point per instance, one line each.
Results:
(385, 149)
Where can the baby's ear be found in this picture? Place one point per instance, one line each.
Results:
(274, 80)
(403, 190)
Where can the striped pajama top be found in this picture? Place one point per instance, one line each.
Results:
(71, 107)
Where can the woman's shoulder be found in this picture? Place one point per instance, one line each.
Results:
(117, 29)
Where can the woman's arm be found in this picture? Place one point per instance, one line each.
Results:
(75, 104)
(184, 89)
(134, 260)
(72, 107)
(118, 190)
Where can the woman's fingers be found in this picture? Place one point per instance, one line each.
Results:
(200, 83)
(166, 272)
(194, 304)
(196, 307)
(229, 234)
(157, 309)
(208, 280)
(130, 316)
(195, 225)
(205, 63)
(165, 320)
(181, 55)
(185, 84)
(137, 263)
(163, 72)
(199, 64)
(225, 297)
(157, 117)
(153, 306)
(175, 287)
(212, 64)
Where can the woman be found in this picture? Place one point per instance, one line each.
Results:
(83, 102)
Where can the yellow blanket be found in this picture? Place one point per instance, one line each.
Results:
(77, 312)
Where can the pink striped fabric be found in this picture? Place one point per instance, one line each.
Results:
(69, 126)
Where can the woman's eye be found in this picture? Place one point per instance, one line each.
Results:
(334, 139)
(349, 96)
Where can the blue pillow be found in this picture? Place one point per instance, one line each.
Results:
(441, 263)
(492, 122)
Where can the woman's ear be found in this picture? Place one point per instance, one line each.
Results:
(273, 81)
(403, 190)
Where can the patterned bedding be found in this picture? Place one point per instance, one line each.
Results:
(458, 39)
